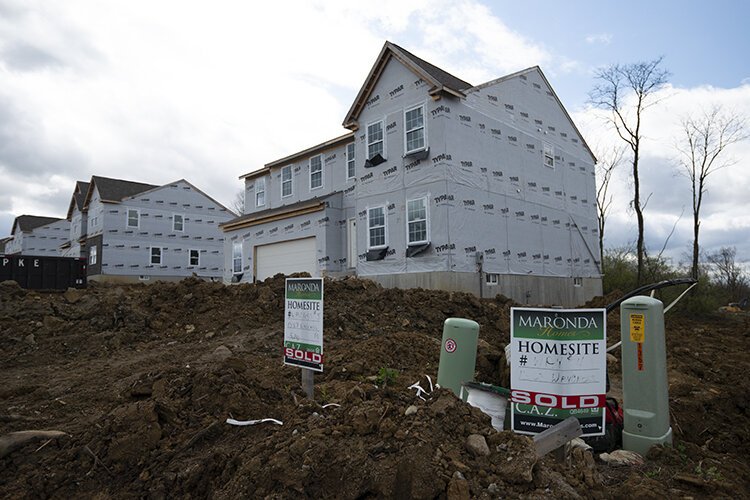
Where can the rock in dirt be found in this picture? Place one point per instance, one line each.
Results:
(411, 410)
(621, 458)
(477, 445)
(458, 488)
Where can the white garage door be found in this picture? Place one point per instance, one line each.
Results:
(288, 257)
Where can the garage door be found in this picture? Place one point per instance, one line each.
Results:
(288, 257)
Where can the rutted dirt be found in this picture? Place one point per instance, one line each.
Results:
(142, 379)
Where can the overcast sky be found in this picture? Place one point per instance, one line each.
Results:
(154, 91)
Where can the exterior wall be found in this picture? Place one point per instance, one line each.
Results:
(77, 231)
(44, 240)
(530, 290)
(125, 251)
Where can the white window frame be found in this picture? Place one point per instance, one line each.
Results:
(190, 257)
(548, 155)
(151, 256)
(426, 221)
(237, 259)
(92, 255)
(491, 279)
(260, 189)
(382, 140)
(370, 228)
(577, 281)
(137, 218)
(288, 168)
(351, 168)
(310, 169)
(423, 127)
(182, 223)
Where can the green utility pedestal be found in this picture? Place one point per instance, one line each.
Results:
(644, 375)
(458, 354)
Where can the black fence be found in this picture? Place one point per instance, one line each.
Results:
(43, 273)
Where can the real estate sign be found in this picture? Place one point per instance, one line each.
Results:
(303, 323)
(558, 368)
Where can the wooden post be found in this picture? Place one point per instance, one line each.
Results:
(556, 436)
(308, 384)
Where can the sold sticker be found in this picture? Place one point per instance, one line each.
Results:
(637, 327)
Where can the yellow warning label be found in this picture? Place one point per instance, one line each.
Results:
(637, 327)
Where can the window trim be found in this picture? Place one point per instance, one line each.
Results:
(577, 281)
(190, 257)
(548, 151)
(260, 191)
(310, 172)
(182, 221)
(367, 134)
(424, 130)
(235, 245)
(151, 256)
(351, 161)
(92, 255)
(290, 181)
(424, 200)
(370, 246)
(491, 279)
(137, 218)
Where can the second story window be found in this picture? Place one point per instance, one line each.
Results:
(134, 217)
(376, 227)
(237, 257)
(92, 256)
(316, 172)
(549, 155)
(260, 192)
(286, 181)
(416, 211)
(414, 129)
(350, 170)
(375, 139)
(178, 222)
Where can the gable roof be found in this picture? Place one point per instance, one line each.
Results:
(78, 198)
(30, 222)
(156, 188)
(439, 80)
(526, 71)
(114, 190)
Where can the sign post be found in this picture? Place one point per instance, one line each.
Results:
(558, 368)
(303, 327)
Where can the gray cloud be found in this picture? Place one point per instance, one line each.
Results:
(25, 57)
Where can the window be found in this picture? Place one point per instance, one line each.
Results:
(375, 139)
(376, 227)
(237, 257)
(578, 281)
(316, 172)
(92, 256)
(194, 257)
(416, 213)
(286, 181)
(549, 155)
(350, 170)
(491, 278)
(178, 223)
(134, 217)
(155, 256)
(260, 192)
(414, 129)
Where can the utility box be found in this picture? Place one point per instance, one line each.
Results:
(644, 375)
(458, 354)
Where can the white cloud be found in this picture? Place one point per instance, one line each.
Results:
(599, 38)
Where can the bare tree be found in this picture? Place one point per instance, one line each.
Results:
(705, 139)
(728, 273)
(607, 164)
(238, 204)
(626, 91)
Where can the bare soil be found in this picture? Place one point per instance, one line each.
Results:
(142, 379)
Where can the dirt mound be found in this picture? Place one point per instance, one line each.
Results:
(142, 378)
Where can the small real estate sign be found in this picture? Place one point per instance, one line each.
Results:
(303, 323)
(558, 368)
